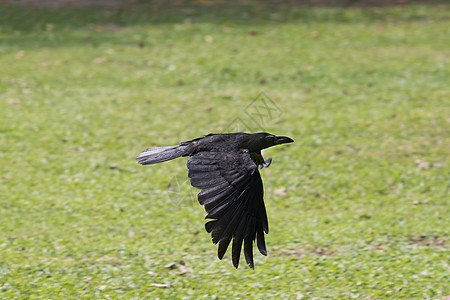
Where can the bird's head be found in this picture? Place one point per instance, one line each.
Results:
(264, 140)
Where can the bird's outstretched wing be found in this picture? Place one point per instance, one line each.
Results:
(232, 193)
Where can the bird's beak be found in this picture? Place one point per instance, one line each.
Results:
(284, 140)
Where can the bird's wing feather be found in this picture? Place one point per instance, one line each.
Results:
(232, 193)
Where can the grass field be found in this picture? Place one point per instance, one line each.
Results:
(358, 207)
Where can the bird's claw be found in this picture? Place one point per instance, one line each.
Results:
(266, 163)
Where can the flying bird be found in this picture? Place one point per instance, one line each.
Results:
(225, 168)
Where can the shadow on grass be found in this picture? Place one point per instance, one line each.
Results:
(31, 18)
(30, 27)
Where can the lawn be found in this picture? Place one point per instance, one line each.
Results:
(358, 206)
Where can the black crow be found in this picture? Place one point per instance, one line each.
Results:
(225, 168)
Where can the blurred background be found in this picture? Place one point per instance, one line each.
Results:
(358, 206)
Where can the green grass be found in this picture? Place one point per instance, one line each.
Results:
(363, 91)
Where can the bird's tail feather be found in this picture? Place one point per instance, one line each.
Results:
(155, 155)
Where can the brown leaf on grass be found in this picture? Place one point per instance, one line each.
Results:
(425, 165)
(438, 164)
(280, 191)
(161, 285)
(88, 279)
(13, 101)
(290, 252)
(323, 251)
(181, 267)
(421, 164)
(365, 217)
(98, 60)
(429, 240)
(322, 196)
(253, 33)
(181, 270)
(381, 248)
(209, 39)
(440, 241)
(171, 265)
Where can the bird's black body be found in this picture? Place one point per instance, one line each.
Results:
(225, 168)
